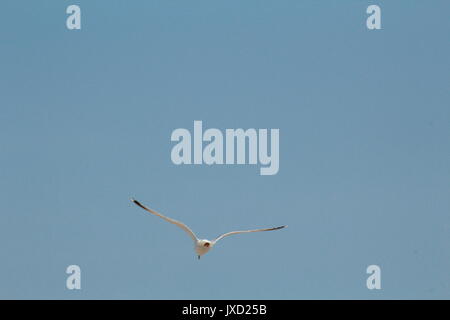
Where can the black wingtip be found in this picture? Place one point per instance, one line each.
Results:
(136, 202)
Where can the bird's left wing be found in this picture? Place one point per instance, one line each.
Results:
(246, 231)
(178, 223)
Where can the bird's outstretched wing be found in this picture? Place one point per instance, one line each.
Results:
(178, 223)
(246, 231)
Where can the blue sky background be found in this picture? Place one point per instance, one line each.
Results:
(85, 123)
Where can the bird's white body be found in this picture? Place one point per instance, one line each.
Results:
(202, 246)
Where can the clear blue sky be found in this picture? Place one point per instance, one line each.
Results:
(85, 123)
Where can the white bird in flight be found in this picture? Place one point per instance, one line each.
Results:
(202, 246)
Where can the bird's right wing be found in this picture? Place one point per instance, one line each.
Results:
(178, 223)
(246, 231)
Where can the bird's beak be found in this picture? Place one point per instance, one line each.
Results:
(198, 257)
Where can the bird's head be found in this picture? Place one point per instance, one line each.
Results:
(203, 246)
(205, 243)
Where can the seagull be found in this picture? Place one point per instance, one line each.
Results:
(202, 246)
